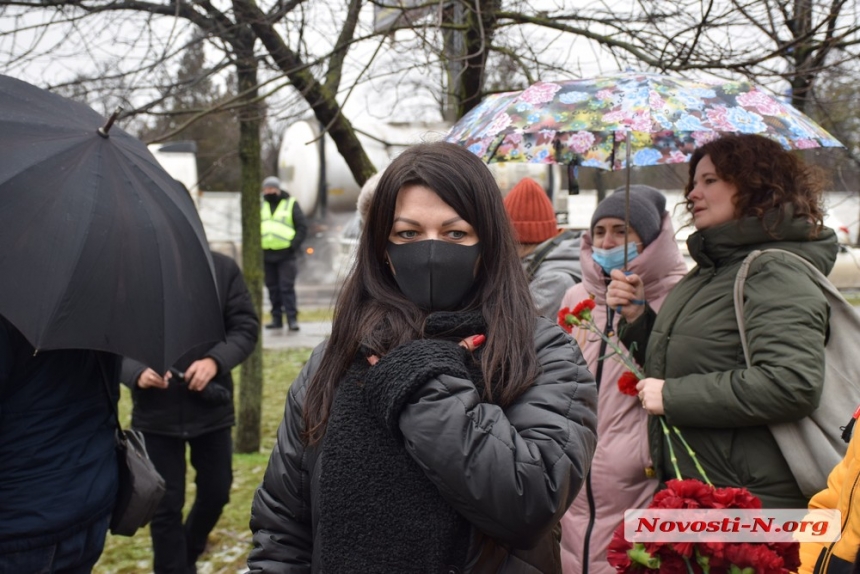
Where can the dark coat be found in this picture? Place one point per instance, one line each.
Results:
(510, 472)
(557, 271)
(300, 223)
(176, 411)
(58, 467)
(722, 407)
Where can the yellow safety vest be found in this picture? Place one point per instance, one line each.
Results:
(277, 228)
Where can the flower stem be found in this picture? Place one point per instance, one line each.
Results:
(692, 455)
(616, 348)
(672, 456)
(634, 368)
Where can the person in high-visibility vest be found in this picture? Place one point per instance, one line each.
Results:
(283, 230)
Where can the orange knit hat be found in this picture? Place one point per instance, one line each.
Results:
(531, 212)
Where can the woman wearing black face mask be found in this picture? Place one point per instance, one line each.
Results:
(444, 427)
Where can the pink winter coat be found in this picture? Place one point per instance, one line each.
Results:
(619, 478)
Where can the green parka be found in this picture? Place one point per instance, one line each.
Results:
(721, 407)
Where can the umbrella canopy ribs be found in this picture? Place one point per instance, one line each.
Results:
(100, 248)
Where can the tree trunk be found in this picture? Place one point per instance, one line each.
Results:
(251, 387)
(802, 79)
(480, 28)
(321, 100)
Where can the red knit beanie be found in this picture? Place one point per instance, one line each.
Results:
(531, 212)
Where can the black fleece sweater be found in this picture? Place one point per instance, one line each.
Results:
(378, 510)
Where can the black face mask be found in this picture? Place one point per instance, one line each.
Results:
(435, 275)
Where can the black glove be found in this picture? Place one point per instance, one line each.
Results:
(392, 381)
(213, 393)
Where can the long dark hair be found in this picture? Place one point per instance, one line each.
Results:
(372, 313)
(767, 177)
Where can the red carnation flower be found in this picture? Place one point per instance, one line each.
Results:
(667, 499)
(730, 497)
(581, 313)
(689, 493)
(627, 383)
(790, 553)
(616, 552)
(715, 551)
(671, 563)
(759, 557)
(583, 309)
(683, 548)
(566, 319)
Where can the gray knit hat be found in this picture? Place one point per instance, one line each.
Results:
(271, 181)
(647, 206)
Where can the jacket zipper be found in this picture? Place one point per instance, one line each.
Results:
(825, 564)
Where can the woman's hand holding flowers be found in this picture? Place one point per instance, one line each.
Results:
(651, 395)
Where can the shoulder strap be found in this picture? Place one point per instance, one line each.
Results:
(544, 253)
(740, 280)
(111, 402)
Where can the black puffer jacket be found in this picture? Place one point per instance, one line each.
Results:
(510, 472)
(176, 411)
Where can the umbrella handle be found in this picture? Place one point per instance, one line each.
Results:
(572, 179)
(627, 198)
(633, 301)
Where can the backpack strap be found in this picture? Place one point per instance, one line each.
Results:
(541, 255)
(740, 280)
(119, 436)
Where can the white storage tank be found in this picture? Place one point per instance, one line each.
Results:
(179, 159)
(303, 152)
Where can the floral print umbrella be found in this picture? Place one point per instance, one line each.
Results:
(586, 122)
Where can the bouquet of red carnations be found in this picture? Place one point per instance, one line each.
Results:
(683, 557)
(580, 316)
(702, 557)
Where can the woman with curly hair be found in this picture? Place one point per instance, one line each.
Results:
(444, 426)
(745, 193)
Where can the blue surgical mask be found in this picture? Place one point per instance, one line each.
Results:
(610, 259)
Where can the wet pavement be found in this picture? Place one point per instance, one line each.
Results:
(309, 335)
(310, 295)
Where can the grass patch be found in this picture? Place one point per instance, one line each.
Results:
(307, 315)
(230, 541)
(852, 297)
(316, 314)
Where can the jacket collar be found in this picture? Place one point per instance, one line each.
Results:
(724, 244)
(656, 265)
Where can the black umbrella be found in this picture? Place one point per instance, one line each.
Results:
(99, 247)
